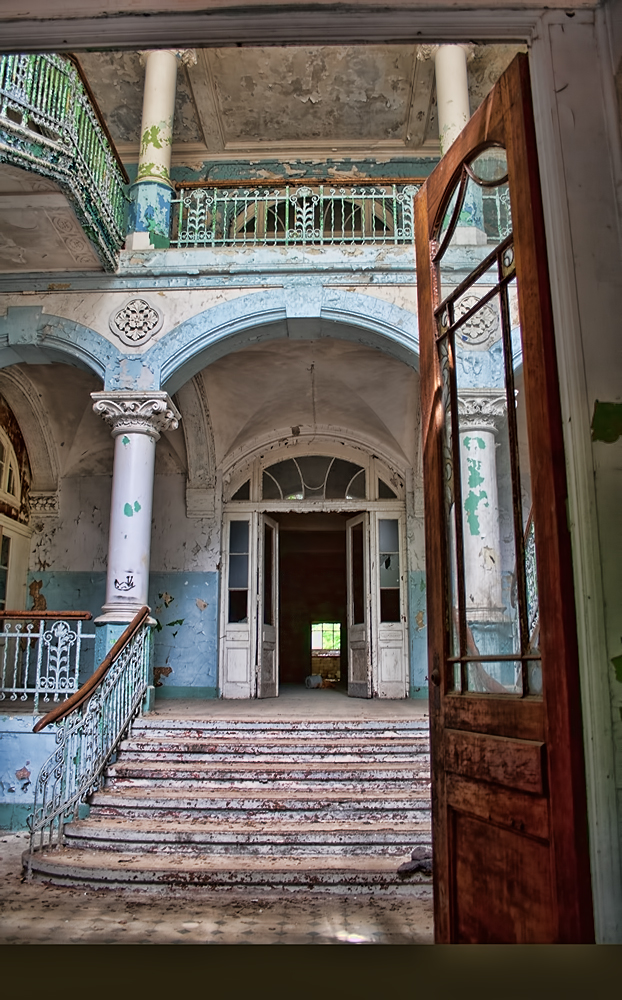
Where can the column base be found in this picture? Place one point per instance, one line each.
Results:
(485, 615)
(469, 236)
(106, 634)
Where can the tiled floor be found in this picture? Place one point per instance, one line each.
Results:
(32, 913)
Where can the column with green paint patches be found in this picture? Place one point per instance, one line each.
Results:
(153, 192)
(479, 413)
(137, 419)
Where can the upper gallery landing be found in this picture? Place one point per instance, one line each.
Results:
(320, 115)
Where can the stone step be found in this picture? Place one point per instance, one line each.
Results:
(273, 756)
(312, 789)
(228, 804)
(335, 806)
(213, 743)
(247, 837)
(110, 868)
(275, 771)
(384, 728)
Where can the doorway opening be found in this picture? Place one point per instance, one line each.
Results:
(313, 598)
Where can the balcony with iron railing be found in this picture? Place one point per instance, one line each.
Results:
(264, 215)
(377, 215)
(50, 125)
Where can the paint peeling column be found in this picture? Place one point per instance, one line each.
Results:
(137, 419)
(480, 413)
(153, 191)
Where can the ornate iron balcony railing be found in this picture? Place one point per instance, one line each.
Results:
(41, 654)
(374, 214)
(50, 125)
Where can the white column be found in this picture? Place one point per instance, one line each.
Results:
(452, 92)
(153, 191)
(452, 98)
(136, 420)
(156, 130)
(480, 412)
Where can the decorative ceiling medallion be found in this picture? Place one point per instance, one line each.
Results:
(136, 322)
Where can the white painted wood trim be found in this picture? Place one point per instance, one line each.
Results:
(596, 697)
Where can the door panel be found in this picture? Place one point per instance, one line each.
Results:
(237, 614)
(268, 609)
(359, 607)
(390, 653)
(509, 804)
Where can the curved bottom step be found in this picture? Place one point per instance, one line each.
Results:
(111, 870)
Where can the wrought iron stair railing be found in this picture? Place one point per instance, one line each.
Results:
(50, 125)
(90, 726)
(41, 654)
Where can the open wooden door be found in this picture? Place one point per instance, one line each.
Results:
(388, 591)
(359, 607)
(509, 804)
(268, 609)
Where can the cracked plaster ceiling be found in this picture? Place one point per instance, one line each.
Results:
(299, 101)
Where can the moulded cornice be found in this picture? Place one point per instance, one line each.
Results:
(347, 24)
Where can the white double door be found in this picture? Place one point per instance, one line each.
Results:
(249, 614)
(377, 633)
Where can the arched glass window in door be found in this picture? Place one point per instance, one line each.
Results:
(314, 477)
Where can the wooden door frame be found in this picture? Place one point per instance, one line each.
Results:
(505, 118)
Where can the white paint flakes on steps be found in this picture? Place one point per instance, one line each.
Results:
(337, 806)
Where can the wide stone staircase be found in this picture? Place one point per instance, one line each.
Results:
(286, 805)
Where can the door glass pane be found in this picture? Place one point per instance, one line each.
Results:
(5, 548)
(491, 538)
(357, 582)
(487, 512)
(268, 557)
(389, 563)
(238, 536)
(238, 571)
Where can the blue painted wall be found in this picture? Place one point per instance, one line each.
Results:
(22, 755)
(185, 606)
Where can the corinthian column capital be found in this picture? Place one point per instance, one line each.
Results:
(481, 409)
(186, 56)
(137, 412)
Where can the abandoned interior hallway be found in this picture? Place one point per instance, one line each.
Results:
(390, 910)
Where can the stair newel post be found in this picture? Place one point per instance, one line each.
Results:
(137, 419)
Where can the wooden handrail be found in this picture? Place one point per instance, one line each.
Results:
(312, 182)
(90, 686)
(83, 616)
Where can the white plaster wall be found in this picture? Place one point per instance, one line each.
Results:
(76, 540)
(588, 141)
(179, 543)
(579, 146)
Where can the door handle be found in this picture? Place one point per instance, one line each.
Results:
(435, 675)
